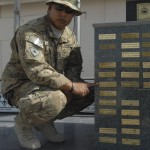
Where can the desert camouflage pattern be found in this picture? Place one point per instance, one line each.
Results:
(38, 67)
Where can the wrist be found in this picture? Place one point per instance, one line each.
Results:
(72, 88)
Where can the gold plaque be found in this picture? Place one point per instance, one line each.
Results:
(130, 54)
(107, 111)
(107, 84)
(130, 84)
(108, 93)
(130, 64)
(130, 103)
(111, 140)
(107, 74)
(130, 45)
(107, 102)
(146, 74)
(107, 36)
(130, 112)
(107, 46)
(131, 141)
(130, 131)
(107, 65)
(145, 35)
(129, 74)
(130, 35)
(146, 64)
(146, 84)
(130, 122)
(145, 54)
(146, 44)
(107, 130)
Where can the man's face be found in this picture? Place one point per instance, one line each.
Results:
(60, 15)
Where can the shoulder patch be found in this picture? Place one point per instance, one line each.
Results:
(33, 38)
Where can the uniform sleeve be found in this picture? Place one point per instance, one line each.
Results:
(31, 52)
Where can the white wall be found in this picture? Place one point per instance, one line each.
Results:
(100, 11)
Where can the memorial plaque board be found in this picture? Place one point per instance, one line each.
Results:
(122, 69)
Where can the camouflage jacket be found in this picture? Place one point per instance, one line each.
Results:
(37, 60)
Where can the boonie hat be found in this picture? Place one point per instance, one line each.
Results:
(70, 3)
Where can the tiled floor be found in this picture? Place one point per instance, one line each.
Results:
(78, 132)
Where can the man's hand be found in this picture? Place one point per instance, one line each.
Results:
(82, 89)
(78, 88)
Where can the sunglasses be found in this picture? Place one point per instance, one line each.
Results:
(60, 7)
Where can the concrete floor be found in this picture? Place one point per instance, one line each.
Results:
(78, 132)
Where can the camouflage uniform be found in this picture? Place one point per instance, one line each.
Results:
(38, 67)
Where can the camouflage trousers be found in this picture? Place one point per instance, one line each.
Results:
(47, 104)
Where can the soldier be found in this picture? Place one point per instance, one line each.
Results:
(42, 78)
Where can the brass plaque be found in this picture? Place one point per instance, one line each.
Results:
(107, 74)
(130, 131)
(131, 141)
(146, 84)
(111, 140)
(107, 46)
(145, 44)
(130, 64)
(130, 112)
(130, 54)
(107, 65)
(107, 102)
(146, 74)
(130, 103)
(107, 36)
(128, 84)
(130, 35)
(146, 64)
(145, 35)
(130, 122)
(107, 111)
(108, 93)
(129, 74)
(107, 130)
(107, 84)
(145, 54)
(130, 45)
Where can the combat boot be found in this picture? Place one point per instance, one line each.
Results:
(49, 130)
(26, 136)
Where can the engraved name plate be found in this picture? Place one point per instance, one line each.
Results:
(107, 102)
(130, 54)
(130, 131)
(107, 46)
(130, 45)
(130, 141)
(111, 140)
(130, 103)
(107, 130)
(129, 74)
(130, 35)
(129, 84)
(107, 36)
(130, 112)
(130, 64)
(107, 74)
(107, 84)
(107, 65)
(108, 93)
